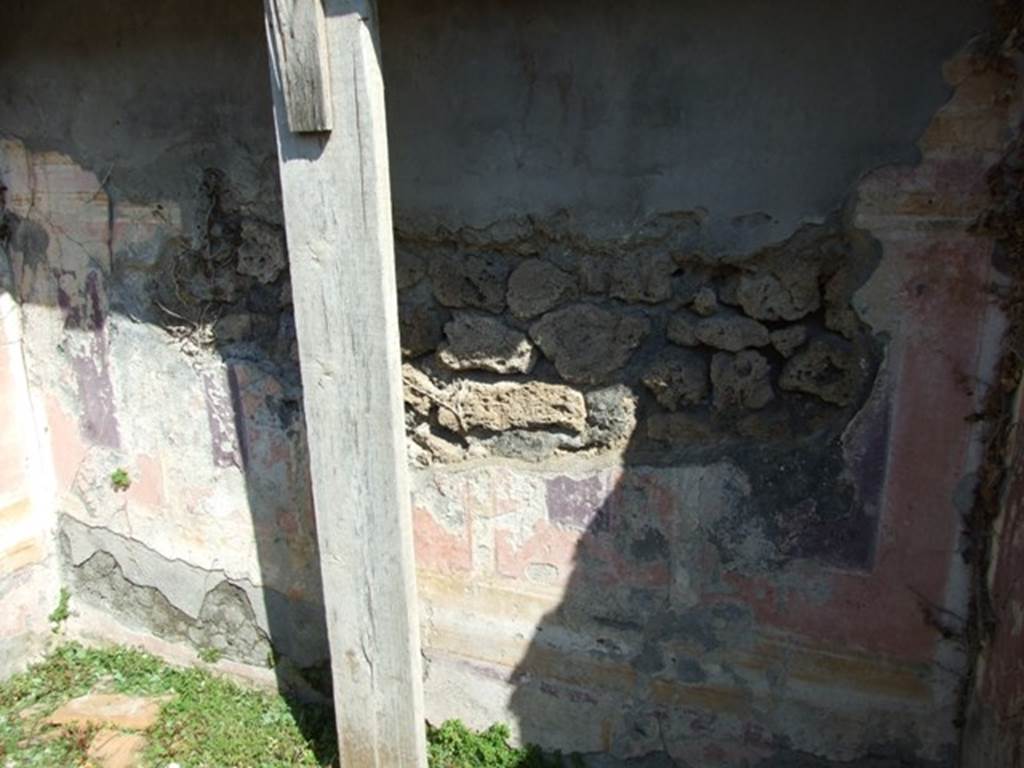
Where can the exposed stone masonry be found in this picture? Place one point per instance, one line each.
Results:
(510, 332)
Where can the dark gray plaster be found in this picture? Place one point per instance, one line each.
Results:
(619, 110)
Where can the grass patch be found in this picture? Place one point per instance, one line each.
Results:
(453, 745)
(210, 722)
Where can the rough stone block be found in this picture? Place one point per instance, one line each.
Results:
(644, 277)
(409, 267)
(587, 343)
(485, 343)
(537, 286)
(470, 280)
(741, 380)
(420, 323)
(508, 405)
(108, 710)
(788, 294)
(261, 253)
(826, 369)
(787, 340)
(731, 333)
(112, 749)
(678, 378)
(611, 415)
(594, 272)
(682, 329)
(705, 301)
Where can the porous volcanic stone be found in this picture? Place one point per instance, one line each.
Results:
(485, 343)
(420, 323)
(470, 280)
(588, 344)
(611, 415)
(731, 333)
(677, 378)
(827, 369)
(705, 302)
(741, 380)
(505, 405)
(789, 293)
(537, 286)
(418, 389)
(787, 340)
(594, 272)
(645, 277)
(262, 251)
(682, 329)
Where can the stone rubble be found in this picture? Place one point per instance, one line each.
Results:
(741, 380)
(537, 286)
(705, 301)
(510, 405)
(678, 378)
(787, 340)
(524, 339)
(477, 342)
(470, 280)
(731, 333)
(589, 344)
(825, 370)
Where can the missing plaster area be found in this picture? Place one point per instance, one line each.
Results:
(224, 283)
(226, 622)
(530, 339)
(534, 339)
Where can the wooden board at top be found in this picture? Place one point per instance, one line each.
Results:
(298, 34)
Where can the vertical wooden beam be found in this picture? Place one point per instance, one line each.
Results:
(337, 210)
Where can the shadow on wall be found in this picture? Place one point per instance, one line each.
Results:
(142, 236)
(714, 353)
(724, 388)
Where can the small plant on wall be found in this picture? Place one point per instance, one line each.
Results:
(120, 480)
(61, 611)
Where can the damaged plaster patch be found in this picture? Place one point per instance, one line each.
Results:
(771, 348)
(225, 623)
(178, 601)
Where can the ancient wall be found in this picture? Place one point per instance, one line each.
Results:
(692, 319)
(993, 698)
(693, 323)
(28, 564)
(147, 255)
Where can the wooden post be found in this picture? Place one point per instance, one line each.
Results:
(337, 211)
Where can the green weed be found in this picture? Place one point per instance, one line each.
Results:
(209, 655)
(62, 611)
(120, 480)
(453, 745)
(208, 721)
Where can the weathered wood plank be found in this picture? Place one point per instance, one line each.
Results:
(298, 37)
(337, 208)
